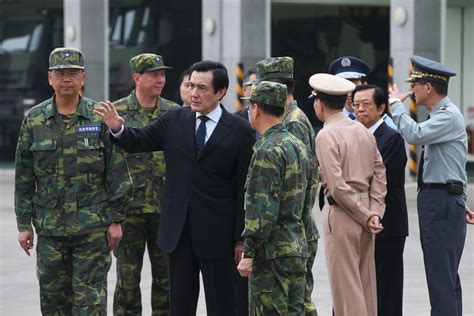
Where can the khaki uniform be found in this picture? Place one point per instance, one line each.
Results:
(353, 173)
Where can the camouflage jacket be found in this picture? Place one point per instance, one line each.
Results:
(298, 124)
(146, 169)
(69, 179)
(274, 200)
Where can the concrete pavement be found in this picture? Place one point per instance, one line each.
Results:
(19, 292)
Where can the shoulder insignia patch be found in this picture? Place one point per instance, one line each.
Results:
(443, 107)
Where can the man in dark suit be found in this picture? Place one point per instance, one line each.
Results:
(369, 105)
(207, 152)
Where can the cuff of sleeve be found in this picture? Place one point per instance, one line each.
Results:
(24, 224)
(118, 212)
(249, 251)
(118, 133)
(393, 100)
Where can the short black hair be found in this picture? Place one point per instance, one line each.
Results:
(271, 109)
(185, 73)
(220, 78)
(335, 102)
(248, 73)
(379, 96)
(290, 84)
(440, 88)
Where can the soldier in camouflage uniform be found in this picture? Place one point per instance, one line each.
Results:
(140, 228)
(280, 69)
(275, 246)
(71, 185)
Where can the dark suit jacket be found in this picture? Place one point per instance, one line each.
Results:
(208, 190)
(244, 113)
(392, 148)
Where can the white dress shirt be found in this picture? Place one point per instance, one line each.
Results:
(214, 117)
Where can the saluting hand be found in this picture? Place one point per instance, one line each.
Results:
(394, 92)
(469, 216)
(109, 115)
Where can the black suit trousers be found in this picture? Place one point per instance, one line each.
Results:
(389, 271)
(218, 279)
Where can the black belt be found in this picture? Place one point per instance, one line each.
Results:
(434, 186)
(453, 187)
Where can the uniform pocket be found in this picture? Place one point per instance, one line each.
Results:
(90, 155)
(44, 153)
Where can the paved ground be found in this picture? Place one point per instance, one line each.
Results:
(19, 287)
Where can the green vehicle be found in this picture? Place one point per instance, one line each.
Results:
(31, 29)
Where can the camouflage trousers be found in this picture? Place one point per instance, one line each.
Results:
(72, 274)
(277, 287)
(309, 306)
(140, 231)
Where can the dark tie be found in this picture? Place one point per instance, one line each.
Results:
(201, 134)
(420, 165)
(352, 116)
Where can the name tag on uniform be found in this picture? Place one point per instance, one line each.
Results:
(88, 129)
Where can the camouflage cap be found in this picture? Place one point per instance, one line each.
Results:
(269, 93)
(147, 62)
(66, 57)
(274, 67)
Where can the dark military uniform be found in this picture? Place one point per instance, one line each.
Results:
(140, 227)
(70, 183)
(275, 235)
(298, 124)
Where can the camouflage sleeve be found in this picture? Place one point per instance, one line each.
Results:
(262, 200)
(25, 181)
(300, 131)
(118, 180)
(311, 229)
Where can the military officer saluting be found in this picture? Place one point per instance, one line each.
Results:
(71, 185)
(442, 210)
(140, 227)
(275, 246)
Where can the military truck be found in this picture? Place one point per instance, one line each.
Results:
(31, 29)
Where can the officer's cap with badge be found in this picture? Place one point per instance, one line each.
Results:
(147, 62)
(429, 70)
(349, 67)
(330, 87)
(66, 58)
(273, 68)
(268, 93)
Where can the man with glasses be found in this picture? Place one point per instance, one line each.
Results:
(442, 209)
(369, 105)
(71, 185)
(355, 70)
(147, 170)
